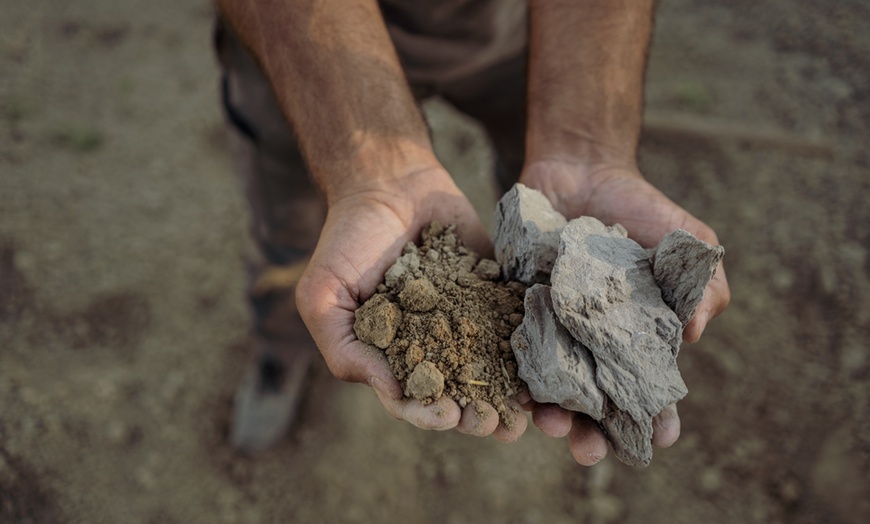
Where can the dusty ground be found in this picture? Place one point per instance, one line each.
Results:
(123, 330)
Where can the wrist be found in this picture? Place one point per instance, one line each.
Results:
(378, 166)
(403, 191)
(570, 183)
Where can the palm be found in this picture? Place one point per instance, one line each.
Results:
(616, 195)
(362, 237)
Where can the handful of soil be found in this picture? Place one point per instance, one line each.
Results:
(444, 319)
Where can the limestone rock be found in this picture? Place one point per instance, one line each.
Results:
(526, 235)
(683, 265)
(555, 366)
(604, 293)
(631, 439)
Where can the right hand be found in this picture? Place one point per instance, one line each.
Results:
(364, 234)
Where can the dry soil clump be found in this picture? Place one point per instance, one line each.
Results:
(444, 320)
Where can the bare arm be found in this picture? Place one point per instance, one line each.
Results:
(586, 72)
(338, 81)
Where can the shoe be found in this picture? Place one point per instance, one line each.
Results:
(268, 399)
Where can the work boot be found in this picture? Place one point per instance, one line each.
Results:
(267, 401)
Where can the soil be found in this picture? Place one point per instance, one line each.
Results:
(124, 329)
(445, 321)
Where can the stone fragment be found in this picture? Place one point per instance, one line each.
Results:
(555, 366)
(426, 382)
(526, 235)
(683, 265)
(377, 321)
(631, 439)
(604, 293)
(418, 295)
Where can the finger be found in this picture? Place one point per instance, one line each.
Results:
(478, 418)
(440, 415)
(717, 296)
(666, 427)
(515, 425)
(552, 420)
(586, 441)
(524, 399)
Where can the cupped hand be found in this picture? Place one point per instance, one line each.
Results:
(619, 194)
(364, 233)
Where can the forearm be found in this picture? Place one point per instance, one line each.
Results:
(338, 81)
(586, 71)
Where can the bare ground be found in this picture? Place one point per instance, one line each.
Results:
(123, 329)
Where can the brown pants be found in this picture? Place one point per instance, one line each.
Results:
(287, 209)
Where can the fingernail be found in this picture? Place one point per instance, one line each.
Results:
(595, 458)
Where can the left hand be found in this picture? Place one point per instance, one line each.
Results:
(619, 194)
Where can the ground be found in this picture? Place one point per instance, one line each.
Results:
(123, 328)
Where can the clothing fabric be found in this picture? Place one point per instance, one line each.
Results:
(440, 41)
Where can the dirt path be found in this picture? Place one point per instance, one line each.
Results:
(123, 329)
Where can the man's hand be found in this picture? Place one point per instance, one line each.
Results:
(364, 233)
(619, 194)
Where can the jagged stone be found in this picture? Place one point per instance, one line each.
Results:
(604, 339)
(631, 439)
(604, 293)
(682, 266)
(555, 366)
(526, 236)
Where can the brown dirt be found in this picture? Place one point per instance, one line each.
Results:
(445, 322)
(124, 332)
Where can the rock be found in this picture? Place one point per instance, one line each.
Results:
(683, 265)
(426, 382)
(604, 293)
(377, 321)
(557, 368)
(526, 235)
(631, 439)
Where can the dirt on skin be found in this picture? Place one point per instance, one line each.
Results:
(444, 321)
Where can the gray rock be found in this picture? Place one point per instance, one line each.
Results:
(555, 366)
(526, 235)
(631, 439)
(683, 265)
(604, 339)
(604, 293)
